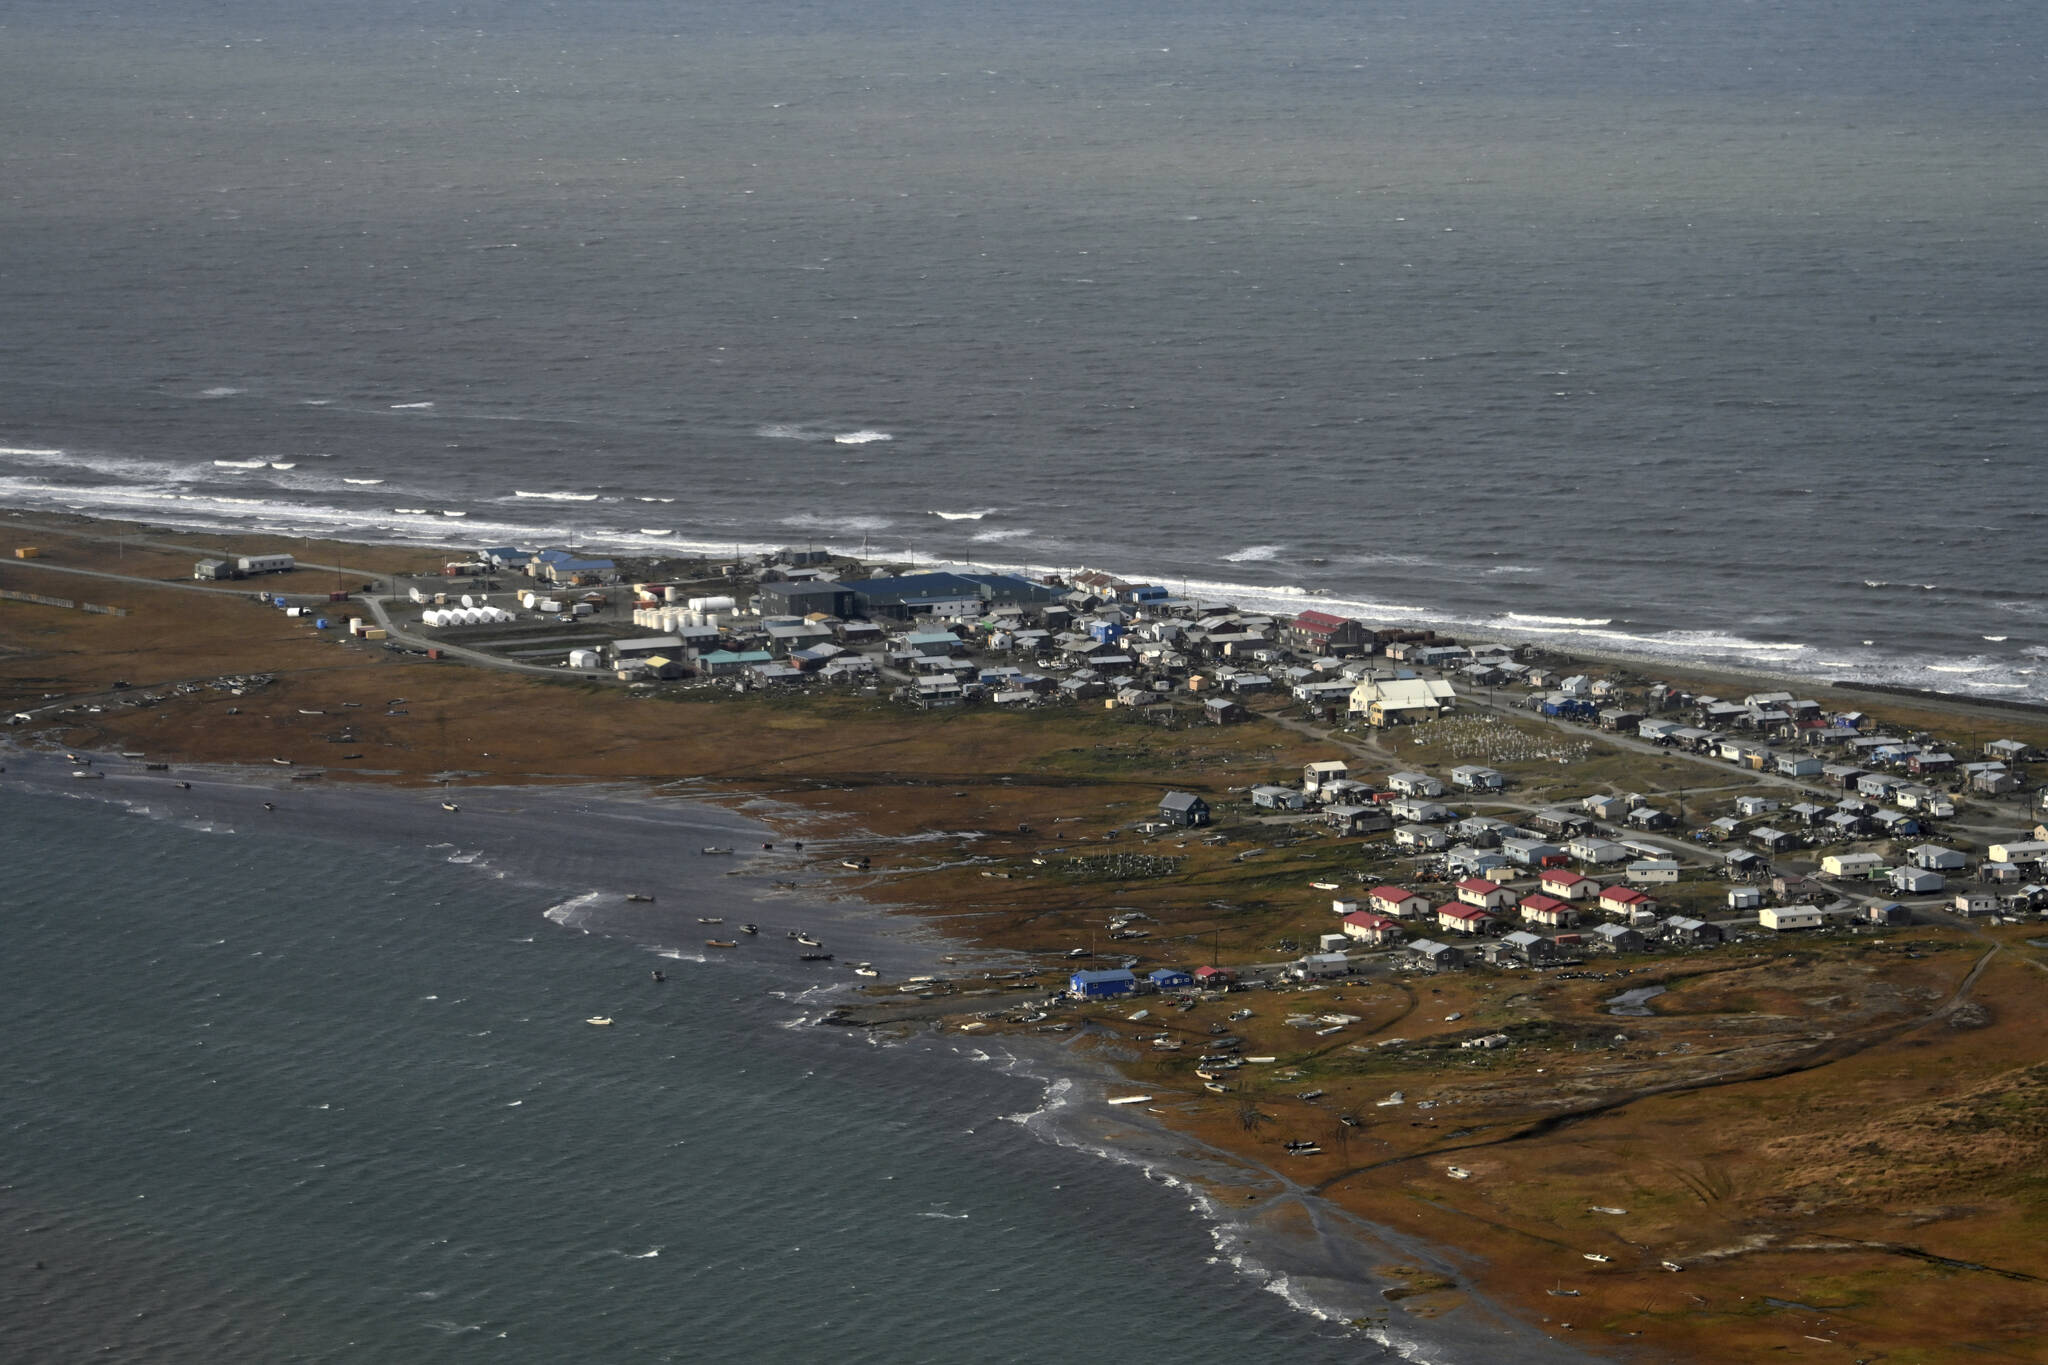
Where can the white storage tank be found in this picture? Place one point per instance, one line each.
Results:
(671, 593)
(527, 599)
(468, 601)
(583, 658)
(712, 604)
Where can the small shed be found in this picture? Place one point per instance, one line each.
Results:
(1691, 933)
(1441, 957)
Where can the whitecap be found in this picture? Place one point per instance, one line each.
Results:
(865, 436)
(219, 391)
(1562, 620)
(963, 516)
(402, 407)
(1254, 554)
(366, 483)
(241, 464)
(283, 464)
(651, 531)
(1011, 533)
(1998, 639)
(556, 497)
(41, 451)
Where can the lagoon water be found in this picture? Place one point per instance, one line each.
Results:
(1682, 330)
(268, 1098)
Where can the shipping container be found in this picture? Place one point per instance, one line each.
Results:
(27, 552)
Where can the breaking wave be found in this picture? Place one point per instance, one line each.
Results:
(864, 436)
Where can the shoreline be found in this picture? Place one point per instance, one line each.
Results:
(934, 798)
(1322, 1270)
(1676, 649)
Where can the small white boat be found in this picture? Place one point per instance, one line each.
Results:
(863, 969)
(449, 805)
(1671, 1266)
(808, 941)
(1324, 886)
(600, 1020)
(1457, 1173)
(714, 849)
(1130, 1099)
(1596, 1256)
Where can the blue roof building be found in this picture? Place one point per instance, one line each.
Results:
(1170, 979)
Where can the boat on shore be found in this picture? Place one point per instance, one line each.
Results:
(710, 919)
(750, 928)
(721, 943)
(854, 864)
(449, 805)
(808, 941)
(600, 1020)
(1130, 1099)
(640, 896)
(863, 969)
(710, 849)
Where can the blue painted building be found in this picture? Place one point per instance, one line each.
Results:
(1101, 985)
(1170, 979)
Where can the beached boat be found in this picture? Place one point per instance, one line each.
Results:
(808, 941)
(814, 957)
(710, 919)
(449, 805)
(750, 928)
(863, 969)
(721, 943)
(1130, 1099)
(709, 849)
(1324, 886)
(641, 896)
(601, 1020)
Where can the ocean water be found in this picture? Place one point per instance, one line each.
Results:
(270, 1096)
(1673, 329)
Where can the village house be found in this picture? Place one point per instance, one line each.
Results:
(1568, 885)
(1972, 903)
(1277, 798)
(1649, 817)
(1745, 897)
(1350, 819)
(1184, 810)
(1616, 938)
(1101, 985)
(1531, 852)
(1916, 881)
(1595, 851)
(1376, 931)
(1652, 871)
(1401, 701)
(1486, 895)
(1482, 831)
(1315, 776)
(1320, 634)
(1439, 957)
(1625, 900)
(1691, 933)
(1533, 949)
(1414, 784)
(1784, 917)
(1850, 864)
(1935, 858)
(1473, 778)
(1398, 901)
(1421, 811)
(1462, 919)
(1421, 838)
(1548, 912)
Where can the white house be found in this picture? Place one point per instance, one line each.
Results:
(1789, 917)
(1652, 871)
(1850, 864)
